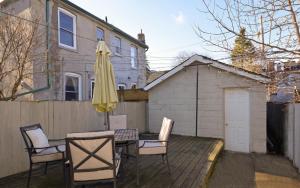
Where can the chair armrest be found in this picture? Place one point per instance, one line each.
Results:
(43, 148)
(152, 141)
(56, 140)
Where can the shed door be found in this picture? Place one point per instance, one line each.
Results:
(237, 129)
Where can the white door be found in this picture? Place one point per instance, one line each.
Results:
(237, 126)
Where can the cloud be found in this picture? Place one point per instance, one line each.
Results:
(179, 18)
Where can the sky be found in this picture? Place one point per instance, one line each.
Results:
(168, 25)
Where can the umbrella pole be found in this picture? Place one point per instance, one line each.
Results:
(107, 120)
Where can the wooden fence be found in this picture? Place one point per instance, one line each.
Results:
(292, 133)
(57, 119)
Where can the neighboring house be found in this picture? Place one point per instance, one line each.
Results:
(286, 76)
(152, 75)
(208, 98)
(70, 43)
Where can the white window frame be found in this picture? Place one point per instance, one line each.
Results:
(70, 74)
(103, 33)
(74, 29)
(115, 47)
(91, 88)
(121, 85)
(134, 66)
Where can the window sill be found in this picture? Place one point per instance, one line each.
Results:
(65, 47)
(117, 54)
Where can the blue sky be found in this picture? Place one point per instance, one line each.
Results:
(168, 25)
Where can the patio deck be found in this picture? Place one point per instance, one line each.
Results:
(191, 160)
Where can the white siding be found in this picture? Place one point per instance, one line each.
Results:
(176, 99)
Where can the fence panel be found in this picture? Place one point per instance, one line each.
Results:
(57, 119)
(292, 133)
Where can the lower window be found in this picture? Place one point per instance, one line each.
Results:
(72, 87)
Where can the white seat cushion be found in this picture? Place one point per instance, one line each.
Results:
(38, 139)
(49, 154)
(90, 134)
(152, 147)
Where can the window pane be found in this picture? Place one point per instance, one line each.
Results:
(133, 55)
(117, 45)
(92, 88)
(66, 37)
(72, 88)
(99, 34)
(71, 96)
(66, 21)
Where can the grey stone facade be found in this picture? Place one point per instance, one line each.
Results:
(80, 60)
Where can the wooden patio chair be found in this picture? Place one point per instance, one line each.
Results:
(160, 146)
(120, 122)
(92, 158)
(39, 148)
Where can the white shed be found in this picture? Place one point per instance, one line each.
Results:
(207, 98)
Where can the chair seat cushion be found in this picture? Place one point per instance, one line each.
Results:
(49, 154)
(152, 147)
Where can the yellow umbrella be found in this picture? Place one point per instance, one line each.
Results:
(105, 96)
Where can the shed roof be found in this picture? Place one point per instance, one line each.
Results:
(203, 60)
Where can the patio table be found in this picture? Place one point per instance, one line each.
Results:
(131, 136)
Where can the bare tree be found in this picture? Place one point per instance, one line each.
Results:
(271, 25)
(18, 41)
(183, 55)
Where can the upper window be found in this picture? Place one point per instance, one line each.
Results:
(99, 34)
(117, 45)
(72, 87)
(66, 29)
(133, 56)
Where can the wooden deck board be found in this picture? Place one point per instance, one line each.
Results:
(188, 158)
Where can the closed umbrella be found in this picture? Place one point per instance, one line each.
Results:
(105, 96)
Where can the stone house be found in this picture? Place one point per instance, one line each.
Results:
(69, 38)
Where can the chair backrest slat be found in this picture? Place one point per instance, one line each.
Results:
(118, 122)
(166, 129)
(91, 153)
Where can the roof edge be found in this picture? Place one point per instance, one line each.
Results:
(208, 61)
(114, 28)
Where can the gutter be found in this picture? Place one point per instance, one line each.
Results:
(48, 21)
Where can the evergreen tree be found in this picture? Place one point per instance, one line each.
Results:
(243, 53)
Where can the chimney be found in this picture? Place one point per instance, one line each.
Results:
(141, 37)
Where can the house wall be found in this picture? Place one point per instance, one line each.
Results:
(176, 99)
(81, 60)
(27, 9)
(57, 119)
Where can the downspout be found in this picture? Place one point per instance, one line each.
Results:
(197, 96)
(48, 21)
